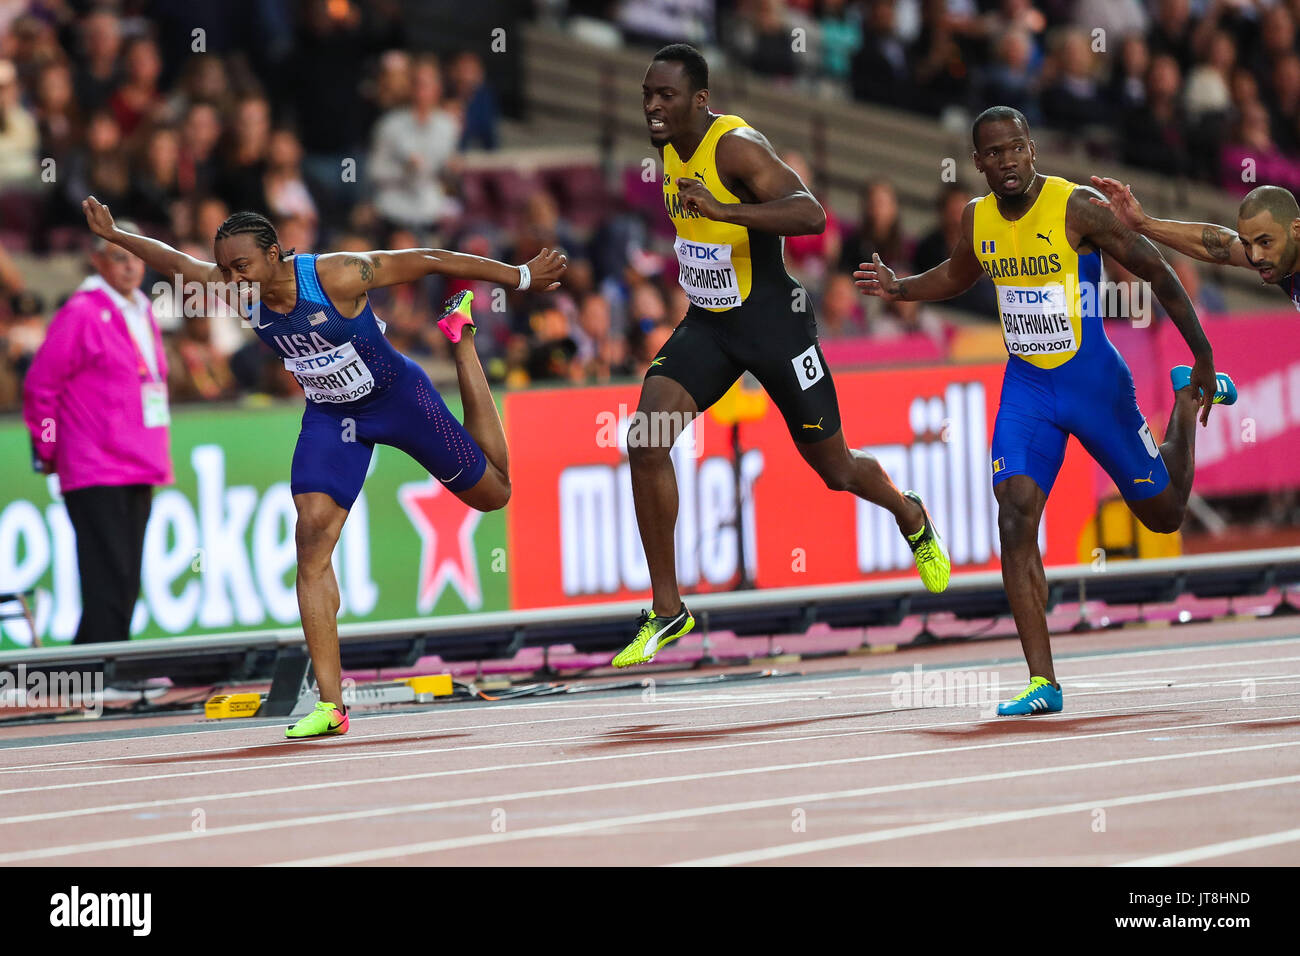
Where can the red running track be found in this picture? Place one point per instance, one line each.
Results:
(1177, 746)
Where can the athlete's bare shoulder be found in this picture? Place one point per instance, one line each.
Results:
(1085, 220)
(345, 277)
(744, 145)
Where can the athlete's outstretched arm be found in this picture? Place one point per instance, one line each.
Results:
(784, 204)
(1096, 225)
(349, 275)
(157, 255)
(1199, 240)
(951, 277)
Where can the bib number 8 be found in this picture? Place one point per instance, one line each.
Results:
(808, 367)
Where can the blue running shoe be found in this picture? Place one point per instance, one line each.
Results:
(1180, 376)
(1040, 697)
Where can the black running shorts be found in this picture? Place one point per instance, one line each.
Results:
(710, 350)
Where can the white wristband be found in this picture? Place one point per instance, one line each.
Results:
(525, 278)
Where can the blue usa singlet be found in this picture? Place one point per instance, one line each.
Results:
(360, 392)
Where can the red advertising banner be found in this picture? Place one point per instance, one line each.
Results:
(1248, 447)
(572, 520)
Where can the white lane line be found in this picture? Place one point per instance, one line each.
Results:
(400, 778)
(1066, 659)
(264, 826)
(640, 819)
(983, 820)
(1212, 850)
(657, 710)
(282, 764)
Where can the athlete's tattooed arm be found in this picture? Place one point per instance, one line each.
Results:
(951, 277)
(1197, 240)
(1093, 224)
(348, 276)
(774, 198)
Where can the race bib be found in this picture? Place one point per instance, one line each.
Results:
(335, 376)
(153, 401)
(1035, 320)
(706, 274)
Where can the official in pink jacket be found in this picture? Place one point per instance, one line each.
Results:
(95, 402)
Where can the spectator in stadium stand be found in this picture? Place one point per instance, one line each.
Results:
(879, 73)
(773, 53)
(1173, 32)
(1284, 102)
(810, 258)
(138, 99)
(1252, 141)
(240, 182)
(19, 136)
(100, 165)
(1073, 99)
(939, 71)
(841, 314)
(391, 87)
(95, 403)
(156, 183)
(880, 230)
(97, 67)
(57, 113)
(412, 148)
(841, 37)
(938, 244)
(204, 79)
(200, 135)
(1010, 78)
(1155, 136)
(596, 355)
(475, 102)
(1277, 39)
(287, 193)
(1207, 92)
(542, 227)
(209, 213)
(1120, 19)
(326, 69)
(198, 371)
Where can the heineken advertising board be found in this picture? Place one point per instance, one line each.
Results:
(219, 549)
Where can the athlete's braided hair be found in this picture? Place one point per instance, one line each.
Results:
(256, 225)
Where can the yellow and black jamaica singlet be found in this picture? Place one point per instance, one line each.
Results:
(746, 314)
(720, 265)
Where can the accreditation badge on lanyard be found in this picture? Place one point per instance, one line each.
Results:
(153, 393)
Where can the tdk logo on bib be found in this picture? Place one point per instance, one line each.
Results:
(690, 250)
(1030, 296)
(317, 361)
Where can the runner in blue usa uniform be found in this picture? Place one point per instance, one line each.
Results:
(1267, 239)
(314, 311)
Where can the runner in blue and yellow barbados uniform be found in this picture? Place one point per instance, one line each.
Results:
(1040, 239)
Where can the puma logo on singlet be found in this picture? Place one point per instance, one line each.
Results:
(1046, 238)
(1148, 479)
(818, 426)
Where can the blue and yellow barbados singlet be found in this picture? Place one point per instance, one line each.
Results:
(1063, 375)
(720, 265)
(1047, 292)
